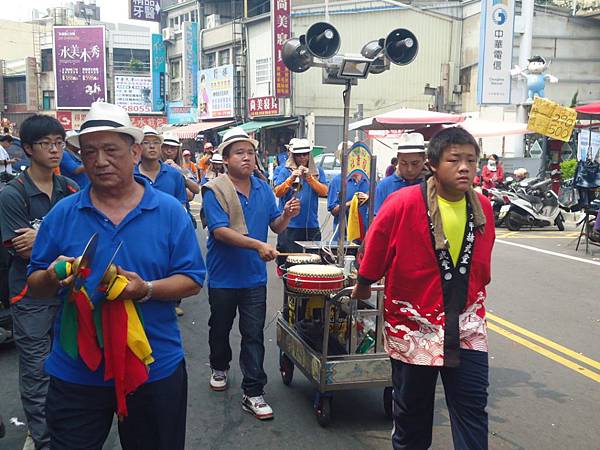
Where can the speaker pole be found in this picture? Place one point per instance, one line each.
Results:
(344, 175)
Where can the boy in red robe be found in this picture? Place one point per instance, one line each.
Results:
(433, 243)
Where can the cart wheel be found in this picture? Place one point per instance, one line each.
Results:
(286, 367)
(323, 409)
(387, 401)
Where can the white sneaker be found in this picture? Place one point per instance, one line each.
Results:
(218, 380)
(29, 444)
(257, 406)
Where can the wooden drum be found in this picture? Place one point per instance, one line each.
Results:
(307, 258)
(315, 279)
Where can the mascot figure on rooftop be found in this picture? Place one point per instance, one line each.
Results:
(535, 76)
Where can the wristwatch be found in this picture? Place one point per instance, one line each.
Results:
(148, 295)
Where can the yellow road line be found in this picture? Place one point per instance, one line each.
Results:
(547, 353)
(542, 340)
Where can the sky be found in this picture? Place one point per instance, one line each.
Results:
(116, 11)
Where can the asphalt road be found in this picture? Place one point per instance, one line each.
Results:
(544, 367)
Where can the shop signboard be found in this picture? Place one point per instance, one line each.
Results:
(148, 10)
(133, 94)
(495, 51)
(79, 66)
(215, 92)
(282, 31)
(152, 121)
(159, 58)
(180, 114)
(71, 120)
(263, 106)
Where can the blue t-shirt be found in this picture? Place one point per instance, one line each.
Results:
(352, 187)
(309, 200)
(158, 241)
(168, 180)
(68, 165)
(236, 267)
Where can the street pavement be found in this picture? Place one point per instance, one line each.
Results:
(544, 366)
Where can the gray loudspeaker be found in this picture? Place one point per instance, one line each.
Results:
(401, 46)
(323, 40)
(295, 56)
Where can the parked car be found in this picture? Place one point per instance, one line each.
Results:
(330, 165)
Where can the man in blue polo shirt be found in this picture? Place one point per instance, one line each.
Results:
(311, 183)
(239, 210)
(409, 170)
(160, 268)
(356, 184)
(162, 176)
(70, 164)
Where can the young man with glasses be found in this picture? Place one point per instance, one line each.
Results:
(23, 205)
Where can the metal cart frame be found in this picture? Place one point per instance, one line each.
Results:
(331, 373)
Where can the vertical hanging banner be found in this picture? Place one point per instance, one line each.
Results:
(144, 10)
(79, 66)
(495, 51)
(190, 64)
(159, 67)
(282, 31)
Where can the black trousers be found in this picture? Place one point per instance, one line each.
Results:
(79, 417)
(465, 388)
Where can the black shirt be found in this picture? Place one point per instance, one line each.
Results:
(16, 212)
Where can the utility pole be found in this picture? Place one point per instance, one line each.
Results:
(525, 45)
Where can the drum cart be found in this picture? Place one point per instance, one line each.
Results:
(333, 372)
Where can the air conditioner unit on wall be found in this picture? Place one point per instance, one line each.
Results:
(213, 20)
(168, 34)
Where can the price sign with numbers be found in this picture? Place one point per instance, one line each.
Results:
(551, 119)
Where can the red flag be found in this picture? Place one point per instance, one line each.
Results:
(120, 363)
(87, 341)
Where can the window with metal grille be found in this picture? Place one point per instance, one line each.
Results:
(15, 90)
(263, 70)
(48, 100)
(210, 60)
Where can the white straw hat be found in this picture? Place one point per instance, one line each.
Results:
(104, 116)
(216, 158)
(235, 134)
(298, 145)
(149, 131)
(170, 138)
(411, 143)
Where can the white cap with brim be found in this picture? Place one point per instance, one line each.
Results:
(170, 138)
(149, 131)
(104, 116)
(411, 143)
(235, 134)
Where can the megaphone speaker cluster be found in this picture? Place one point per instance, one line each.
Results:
(321, 40)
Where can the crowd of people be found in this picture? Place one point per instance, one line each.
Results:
(132, 188)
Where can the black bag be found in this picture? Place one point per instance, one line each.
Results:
(587, 174)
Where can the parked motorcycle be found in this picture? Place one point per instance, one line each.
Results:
(533, 204)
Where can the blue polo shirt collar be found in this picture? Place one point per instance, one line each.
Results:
(149, 200)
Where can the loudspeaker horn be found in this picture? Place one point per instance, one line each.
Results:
(323, 40)
(401, 46)
(296, 56)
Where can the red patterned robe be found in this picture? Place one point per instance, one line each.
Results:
(399, 246)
